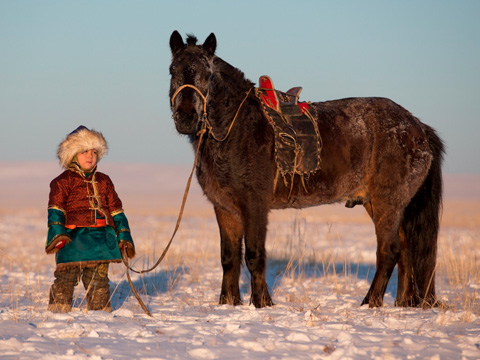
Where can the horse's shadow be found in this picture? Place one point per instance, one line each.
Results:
(161, 282)
(278, 269)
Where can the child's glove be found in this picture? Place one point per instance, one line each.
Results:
(127, 247)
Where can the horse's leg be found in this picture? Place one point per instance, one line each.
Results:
(231, 234)
(255, 220)
(406, 294)
(387, 222)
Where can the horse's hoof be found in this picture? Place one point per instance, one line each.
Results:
(265, 304)
(372, 302)
(408, 302)
(264, 301)
(230, 300)
(405, 304)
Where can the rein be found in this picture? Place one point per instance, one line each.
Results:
(205, 124)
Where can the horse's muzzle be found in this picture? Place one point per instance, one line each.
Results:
(186, 123)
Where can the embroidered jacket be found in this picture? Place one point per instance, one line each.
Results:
(82, 199)
(86, 212)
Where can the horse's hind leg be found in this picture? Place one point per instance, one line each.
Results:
(231, 234)
(387, 222)
(406, 293)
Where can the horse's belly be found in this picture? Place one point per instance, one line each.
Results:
(354, 193)
(302, 202)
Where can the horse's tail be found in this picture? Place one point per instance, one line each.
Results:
(421, 222)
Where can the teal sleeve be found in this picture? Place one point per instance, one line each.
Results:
(56, 226)
(122, 228)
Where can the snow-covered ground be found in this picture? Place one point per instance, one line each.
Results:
(321, 262)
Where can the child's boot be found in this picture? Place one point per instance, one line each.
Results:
(60, 299)
(99, 299)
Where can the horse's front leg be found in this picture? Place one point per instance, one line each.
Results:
(231, 235)
(255, 220)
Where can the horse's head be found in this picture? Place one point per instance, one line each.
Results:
(191, 65)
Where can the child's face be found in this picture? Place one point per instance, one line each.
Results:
(88, 159)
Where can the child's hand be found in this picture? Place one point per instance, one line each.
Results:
(127, 247)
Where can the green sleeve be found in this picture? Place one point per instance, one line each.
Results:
(56, 226)
(122, 228)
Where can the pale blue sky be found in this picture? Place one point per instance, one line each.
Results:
(104, 64)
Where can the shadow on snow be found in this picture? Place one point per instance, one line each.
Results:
(278, 269)
(152, 284)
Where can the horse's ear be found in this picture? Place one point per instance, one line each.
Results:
(210, 44)
(176, 42)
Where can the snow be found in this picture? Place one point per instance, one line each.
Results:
(321, 263)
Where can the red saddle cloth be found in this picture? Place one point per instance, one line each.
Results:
(274, 98)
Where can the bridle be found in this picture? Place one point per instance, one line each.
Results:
(204, 119)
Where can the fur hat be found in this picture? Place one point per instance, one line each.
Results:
(80, 140)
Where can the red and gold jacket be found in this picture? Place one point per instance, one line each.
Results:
(82, 199)
(77, 205)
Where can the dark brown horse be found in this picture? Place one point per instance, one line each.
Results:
(375, 153)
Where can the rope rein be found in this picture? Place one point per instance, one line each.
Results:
(205, 125)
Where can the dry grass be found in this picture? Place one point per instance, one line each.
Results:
(304, 247)
(458, 264)
(458, 269)
(300, 260)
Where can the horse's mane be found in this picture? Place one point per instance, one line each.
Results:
(191, 40)
(231, 76)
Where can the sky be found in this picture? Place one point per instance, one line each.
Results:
(104, 64)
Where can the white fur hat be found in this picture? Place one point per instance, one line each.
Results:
(80, 140)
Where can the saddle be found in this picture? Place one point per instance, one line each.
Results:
(298, 143)
(272, 97)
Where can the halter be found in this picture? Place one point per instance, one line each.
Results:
(204, 118)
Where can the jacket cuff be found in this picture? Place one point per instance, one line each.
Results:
(52, 247)
(122, 228)
(56, 228)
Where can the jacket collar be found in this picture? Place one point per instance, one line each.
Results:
(75, 167)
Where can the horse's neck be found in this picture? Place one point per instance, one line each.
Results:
(228, 91)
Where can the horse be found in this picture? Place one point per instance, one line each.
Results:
(375, 153)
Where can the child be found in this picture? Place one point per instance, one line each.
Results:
(87, 228)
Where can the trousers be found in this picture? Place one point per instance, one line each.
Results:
(95, 281)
